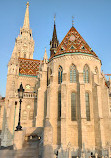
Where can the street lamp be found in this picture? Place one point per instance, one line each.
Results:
(20, 95)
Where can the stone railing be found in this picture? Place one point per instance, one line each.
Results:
(30, 95)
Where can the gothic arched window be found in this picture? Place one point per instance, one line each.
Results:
(31, 115)
(73, 106)
(72, 73)
(87, 106)
(60, 71)
(24, 115)
(59, 106)
(86, 74)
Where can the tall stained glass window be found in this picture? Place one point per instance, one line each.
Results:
(87, 106)
(59, 106)
(73, 106)
(86, 74)
(72, 73)
(60, 72)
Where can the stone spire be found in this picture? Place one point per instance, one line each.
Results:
(54, 43)
(54, 37)
(26, 19)
(25, 42)
(45, 59)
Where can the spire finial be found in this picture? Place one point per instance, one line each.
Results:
(54, 18)
(45, 49)
(26, 19)
(27, 4)
(72, 21)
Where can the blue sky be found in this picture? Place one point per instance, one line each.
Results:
(92, 19)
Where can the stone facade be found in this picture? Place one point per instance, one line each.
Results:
(2, 104)
(67, 126)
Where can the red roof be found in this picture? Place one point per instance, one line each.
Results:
(72, 43)
(108, 74)
(28, 66)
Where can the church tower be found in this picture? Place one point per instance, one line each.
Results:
(24, 41)
(24, 48)
(54, 43)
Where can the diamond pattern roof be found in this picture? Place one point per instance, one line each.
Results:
(28, 66)
(72, 43)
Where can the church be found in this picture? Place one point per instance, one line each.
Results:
(66, 100)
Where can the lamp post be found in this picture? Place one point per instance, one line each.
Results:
(20, 94)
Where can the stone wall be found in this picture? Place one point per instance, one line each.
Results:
(81, 132)
(2, 105)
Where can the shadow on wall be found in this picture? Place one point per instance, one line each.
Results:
(77, 153)
(30, 146)
(6, 135)
(61, 153)
(35, 112)
(30, 149)
(47, 152)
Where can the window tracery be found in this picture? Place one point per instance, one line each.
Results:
(87, 106)
(60, 72)
(73, 106)
(86, 74)
(59, 106)
(72, 73)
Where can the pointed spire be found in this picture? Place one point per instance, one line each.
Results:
(54, 37)
(54, 43)
(45, 56)
(54, 18)
(26, 19)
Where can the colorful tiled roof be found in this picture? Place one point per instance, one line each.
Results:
(28, 66)
(108, 74)
(73, 43)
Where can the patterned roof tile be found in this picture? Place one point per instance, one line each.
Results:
(28, 66)
(73, 42)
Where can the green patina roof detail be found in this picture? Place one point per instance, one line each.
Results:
(71, 54)
(27, 75)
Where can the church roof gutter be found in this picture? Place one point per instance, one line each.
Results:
(79, 53)
(27, 75)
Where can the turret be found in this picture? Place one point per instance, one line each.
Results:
(54, 43)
